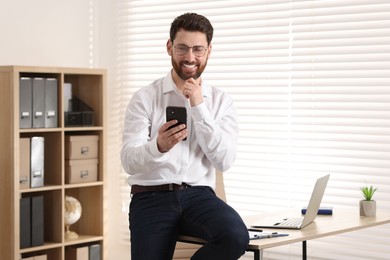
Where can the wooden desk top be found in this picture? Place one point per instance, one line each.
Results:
(342, 221)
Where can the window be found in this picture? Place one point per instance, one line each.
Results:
(311, 82)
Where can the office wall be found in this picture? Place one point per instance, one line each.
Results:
(47, 33)
(72, 33)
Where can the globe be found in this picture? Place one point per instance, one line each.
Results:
(72, 215)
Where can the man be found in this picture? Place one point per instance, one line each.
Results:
(172, 170)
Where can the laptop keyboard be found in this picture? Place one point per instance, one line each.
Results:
(293, 222)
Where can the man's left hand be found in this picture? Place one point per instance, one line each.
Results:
(193, 91)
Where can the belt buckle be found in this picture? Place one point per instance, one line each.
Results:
(170, 187)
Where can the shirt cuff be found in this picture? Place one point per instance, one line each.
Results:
(199, 112)
(153, 149)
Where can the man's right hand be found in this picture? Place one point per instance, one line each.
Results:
(168, 138)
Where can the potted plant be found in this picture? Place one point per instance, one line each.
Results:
(368, 205)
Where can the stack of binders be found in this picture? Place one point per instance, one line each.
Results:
(31, 162)
(31, 221)
(38, 102)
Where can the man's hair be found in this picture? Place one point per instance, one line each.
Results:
(194, 23)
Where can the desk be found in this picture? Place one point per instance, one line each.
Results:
(342, 221)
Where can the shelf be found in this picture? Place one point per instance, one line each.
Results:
(91, 217)
(81, 185)
(45, 246)
(40, 189)
(82, 129)
(83, 239)
(39, 130)
(87, 85)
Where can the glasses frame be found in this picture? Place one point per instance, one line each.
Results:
(181, 46)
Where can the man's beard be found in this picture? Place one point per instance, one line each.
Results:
(184, 76)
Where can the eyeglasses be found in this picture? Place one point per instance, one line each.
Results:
(198, 51)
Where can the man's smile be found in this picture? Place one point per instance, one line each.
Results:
(189, 66)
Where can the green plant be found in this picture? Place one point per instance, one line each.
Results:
(368, 192)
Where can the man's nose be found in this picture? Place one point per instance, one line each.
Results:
(190, 54)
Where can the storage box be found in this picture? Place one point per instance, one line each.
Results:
(40, 257)
(81, 147)
(77, 171)
(77, 253)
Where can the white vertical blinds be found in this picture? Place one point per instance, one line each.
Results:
(311, 82)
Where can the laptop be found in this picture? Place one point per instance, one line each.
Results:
(300, 222)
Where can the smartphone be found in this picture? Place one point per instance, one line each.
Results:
(178, 113)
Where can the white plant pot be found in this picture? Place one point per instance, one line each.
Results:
(367, 208)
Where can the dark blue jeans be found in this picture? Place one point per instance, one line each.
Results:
(158, 218)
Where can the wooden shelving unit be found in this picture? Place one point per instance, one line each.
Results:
(89, 86)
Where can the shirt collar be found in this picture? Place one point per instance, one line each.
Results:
(169, 85)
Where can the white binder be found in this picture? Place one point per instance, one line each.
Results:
(37, 161)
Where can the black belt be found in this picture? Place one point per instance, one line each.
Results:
(165, 187)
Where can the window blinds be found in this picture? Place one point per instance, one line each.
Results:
(311, 83)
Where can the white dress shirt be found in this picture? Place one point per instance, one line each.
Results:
(211, 141)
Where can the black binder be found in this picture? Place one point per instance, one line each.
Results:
(37, 221)
(94, 252)
(25, 223)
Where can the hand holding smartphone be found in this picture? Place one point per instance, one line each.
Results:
(178, 113)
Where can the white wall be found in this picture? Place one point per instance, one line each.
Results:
(72, 33)
(45, 33)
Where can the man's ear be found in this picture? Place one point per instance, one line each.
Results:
(209, 50)
(169, 47)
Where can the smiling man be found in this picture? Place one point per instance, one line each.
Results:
(189, 51)
(172, 167)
